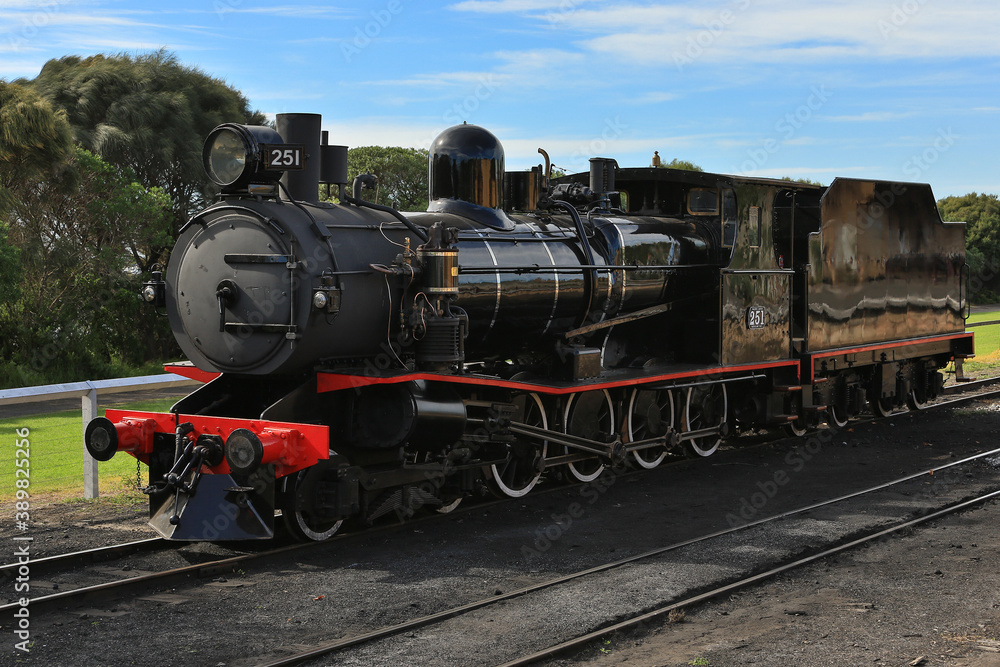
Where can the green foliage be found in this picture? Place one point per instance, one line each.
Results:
(146, 113)
(35, 140)
(10, 264)
(75, 313)
(79, 229)
(801, 180)
(981, 213)
(401, 173)
(684, 165)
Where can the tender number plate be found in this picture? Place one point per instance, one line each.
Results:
(756, 317)
(283, 156)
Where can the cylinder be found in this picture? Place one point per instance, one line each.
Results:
(440, 271)
(522, 189)
(333, 162)
(304, 129)
(602, 174)
(597, 175)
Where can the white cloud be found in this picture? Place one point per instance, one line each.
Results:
(807, 172)
(655, 97)
(288, 11)
(768, 31)
(514, 6)
(574, 154)
(385, 131)
(525, 69)
(871, 116)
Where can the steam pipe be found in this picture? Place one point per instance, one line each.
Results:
(421, 234)
(588, 252)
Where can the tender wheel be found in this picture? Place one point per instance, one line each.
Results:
(445, 509)
(917, 400)
(837, 416)
(589, 415)
(650, 415)
(882, 407)
(795, 429)
(705, 407)
(298, 519)
(520, 473)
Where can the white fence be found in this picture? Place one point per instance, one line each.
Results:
(89, 393)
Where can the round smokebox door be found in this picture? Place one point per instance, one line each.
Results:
(232, 294)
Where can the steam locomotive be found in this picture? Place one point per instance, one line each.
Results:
(362, 362)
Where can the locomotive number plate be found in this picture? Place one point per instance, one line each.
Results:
(283, 156)
(756, 317)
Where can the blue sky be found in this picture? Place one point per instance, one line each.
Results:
(889, 89)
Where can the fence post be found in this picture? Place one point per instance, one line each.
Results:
(90, 483)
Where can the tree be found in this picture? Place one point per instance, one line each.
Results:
(801, 180)
(401, 174)
(147, 114)
(35, 140)
(75, 312)
(981, 213)
(684, 165)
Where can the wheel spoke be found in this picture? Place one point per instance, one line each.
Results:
(518, 475)
(650, 415)
(706, 407)
(299, 519)
(588, 415)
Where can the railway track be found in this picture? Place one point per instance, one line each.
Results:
(75, 559)
(424, 622)
(663, 611)
(130, 585)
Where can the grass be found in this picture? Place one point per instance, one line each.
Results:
(57, 454)
(987, 361)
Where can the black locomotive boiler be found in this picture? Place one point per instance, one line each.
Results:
(364, 361)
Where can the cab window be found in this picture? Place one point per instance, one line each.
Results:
(729, 217)
(703, 201)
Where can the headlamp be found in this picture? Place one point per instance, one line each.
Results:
(236, 156)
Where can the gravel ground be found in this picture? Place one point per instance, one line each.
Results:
(929, 598)
(929, 594)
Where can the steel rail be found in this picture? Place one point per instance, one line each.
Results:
(75, 558)
(413, 624)
(594, 635)
(208, 568)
